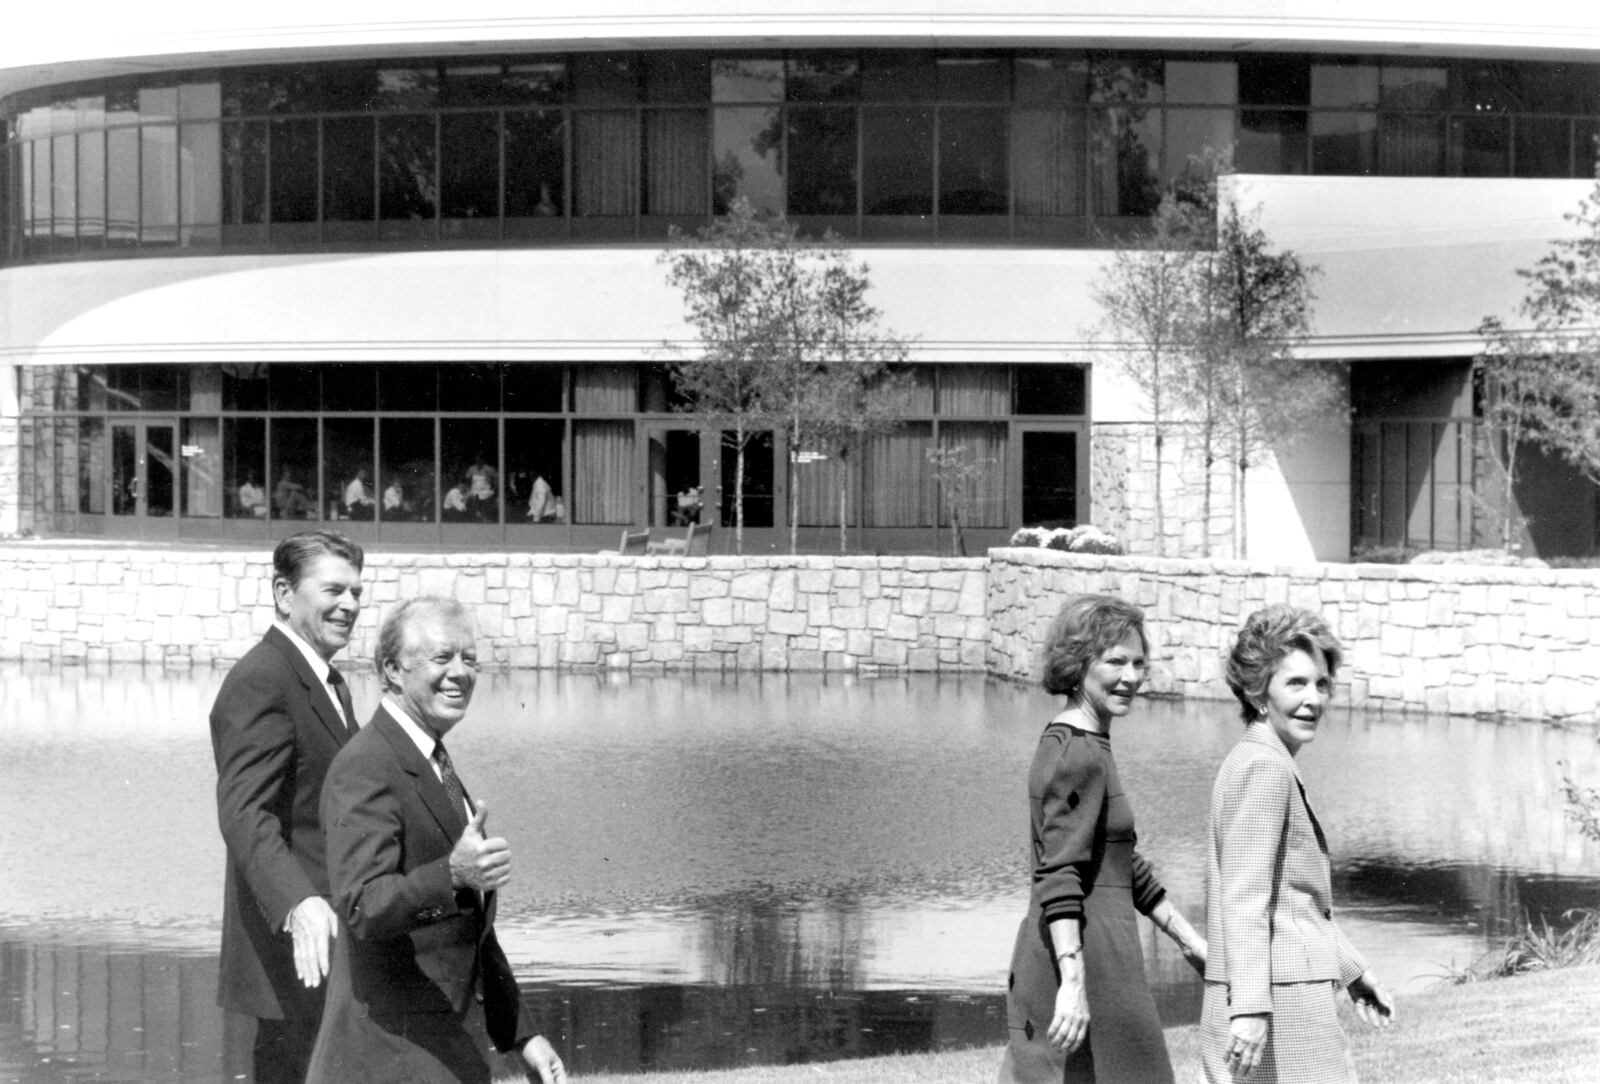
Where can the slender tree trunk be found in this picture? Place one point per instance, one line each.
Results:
(1161, 526)
(844, 489)
(1241, 520)
(794, 485)
(738, 491)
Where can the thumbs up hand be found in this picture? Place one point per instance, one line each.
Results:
(479, 862)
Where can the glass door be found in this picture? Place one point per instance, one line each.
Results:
(681, 479)
(143, 479)
(1054, 479)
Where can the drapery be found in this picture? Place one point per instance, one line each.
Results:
(819, 483)
(1047, 147)
(605, 173)
(675, 162)
(1410, 145)
(605, 389)
(602, 472)
(983, 390)
(896, 478)
(983, 444)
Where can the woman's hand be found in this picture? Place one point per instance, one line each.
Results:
(1247, 1041)
(1069, 1027)
(1194, 951)
(1372, 1001)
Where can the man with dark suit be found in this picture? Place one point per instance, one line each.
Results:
(420, 987)
(279, 718)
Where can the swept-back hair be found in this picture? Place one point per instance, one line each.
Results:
(294, 555)
(1268, 635)
(1086, 627)
(392, 633)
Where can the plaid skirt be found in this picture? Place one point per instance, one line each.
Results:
(1305, 1044)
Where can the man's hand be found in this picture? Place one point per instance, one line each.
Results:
(540, 1057)
(313, 926)
(476, 862)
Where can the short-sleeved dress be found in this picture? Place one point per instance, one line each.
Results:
(1084, 867)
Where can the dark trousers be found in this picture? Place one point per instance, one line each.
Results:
(267, 1051)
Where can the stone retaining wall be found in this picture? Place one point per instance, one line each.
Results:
(183, 607)
(1487, 641)
(1439, 638)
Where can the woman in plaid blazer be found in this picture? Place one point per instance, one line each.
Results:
(1078, 1007)
(1277, 959)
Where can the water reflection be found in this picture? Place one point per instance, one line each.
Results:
(729, 870)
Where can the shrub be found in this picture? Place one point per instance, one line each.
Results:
(1084, 538)
(1538, 949)
(1476, 557)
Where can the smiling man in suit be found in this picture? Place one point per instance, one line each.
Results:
(279, 718)
(420, 987)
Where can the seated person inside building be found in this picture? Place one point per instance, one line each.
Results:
(481, 489)
(357, 496)
(686, 508)
(455, 503)
(289, 499)
(253, 497)
(543, 504)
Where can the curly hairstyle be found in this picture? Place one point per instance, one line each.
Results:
(1268, 635)
(1086, 627)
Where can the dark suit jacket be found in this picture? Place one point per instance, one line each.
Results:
(274, 731)
(412, 951)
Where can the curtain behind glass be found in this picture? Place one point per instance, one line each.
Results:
(605, 389)
(819, 493)
(895, 481)
(984, 390)
(602, 472)
(676, 150)
(985, 445)
(605, 149)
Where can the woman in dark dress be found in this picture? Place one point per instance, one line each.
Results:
(1078, 1006)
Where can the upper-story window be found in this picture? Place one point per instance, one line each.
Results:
(915, 144)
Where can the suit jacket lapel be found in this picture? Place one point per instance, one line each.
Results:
(320, 696)
(1264, 734)
(451, 820)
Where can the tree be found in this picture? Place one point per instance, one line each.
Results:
(957, 475)
(1145, 295)
(786, 337)
(1510, 368)
(849, 405)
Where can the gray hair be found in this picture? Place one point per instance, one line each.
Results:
(392, 634)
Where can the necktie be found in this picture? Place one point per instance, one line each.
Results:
(447, 775)
(341, 689)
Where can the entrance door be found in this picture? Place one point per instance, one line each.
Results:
(1054, 476)
(681, 478)
(143, 479)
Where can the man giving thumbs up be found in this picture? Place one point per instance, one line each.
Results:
(420, 986)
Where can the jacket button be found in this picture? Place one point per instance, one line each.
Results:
(1327, 913)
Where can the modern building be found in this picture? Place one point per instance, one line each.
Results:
(398, 266)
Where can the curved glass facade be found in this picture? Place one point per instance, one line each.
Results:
(905, 144)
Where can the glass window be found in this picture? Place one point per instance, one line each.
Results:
(534, 471)
(676, 77)
(898, 75)
(1195, 140)
(1344, 144)
(605, 173)
(201, 469)
(1271, 141)
(405, 471)
(348, 386)
(159, 386)
(675, 162)
(1124, 148)
(294, 387)
(347, 157)
(1410, 145)
(746, 79)
(200, 388)
(1050, 478)
(1051, 389)
(896, 484)
(982, 390)
(92, 466)
(822, 161)
(469, 457)
(1052, 79)
(244, 177)
(1270, 79)
(244, 455)
(1344, 86)
(293, 198)
(536, 81)
(1123, 79)
(897, 161)
(535, 164)
(406, 88)
(244, 387)
(605, 78)
(91, 188)
(408, 177)
(602, 472)
(823, 76)
(1206, 82)
(470, 387)
(407, 385)
(122, 187)
(64, 186)
(1480, 146)
(981, 499)
(533, 388)
(605, 389)
(972, 161)
(469, 173)
(472, 84)
(347, 468)
(294, 468)
(158, 104)
(1543, 146)
(1047, 161)
(200, 184)
(1411, 87)
(979, 77)
(158, 184)
(747, 156)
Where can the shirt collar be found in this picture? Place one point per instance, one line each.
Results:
(425, 741)
(319, 665)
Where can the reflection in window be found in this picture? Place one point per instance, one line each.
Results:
(122, 187)
(1191, 134)
(347, 174)
(1344, 86)
(347, 468)
(604, 169)
(1124, 146)
(1543, 147)
(1480, 146)
(244, 474)
(294, 468)
(244, 177)
(1344, 144)
(201, 477)
(746, 79)
(1051, 389)
(534, 471)
(294, 172)
(972, 161)
(92, 467)
(1271, 141)
(1051, 79)
(602, 472)
(406, 493)
(158, 184)
(469, 162)
(64, 186)
(1410, 145)
(897, 161)
(982, 499)
(675, 162)
(746, 149)
(535, 165)
(1047, 160)
(469, 457)
(408, 186)
(823, 76)
(822, 161)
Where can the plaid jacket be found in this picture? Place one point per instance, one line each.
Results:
(1269, 908)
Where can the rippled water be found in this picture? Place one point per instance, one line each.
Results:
(719, 870)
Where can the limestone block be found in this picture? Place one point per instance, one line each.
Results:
(846, 578)
(887, 652)
(902, 627)
(754, 584)
(568, 590)
(833, 640)
(785, 623)
(704, 587)
(697, 638)
(782, 595)
(672, 600)
(818, 610)
(614, 609)
(774, 653)
(914, 601)
(814, 580)
(879, 611)
(634, 636)
(859, 642)
(717, 611)
(942, 601)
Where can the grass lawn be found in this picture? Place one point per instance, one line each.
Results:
(1542, 1028)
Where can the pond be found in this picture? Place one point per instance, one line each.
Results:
(722, 870)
